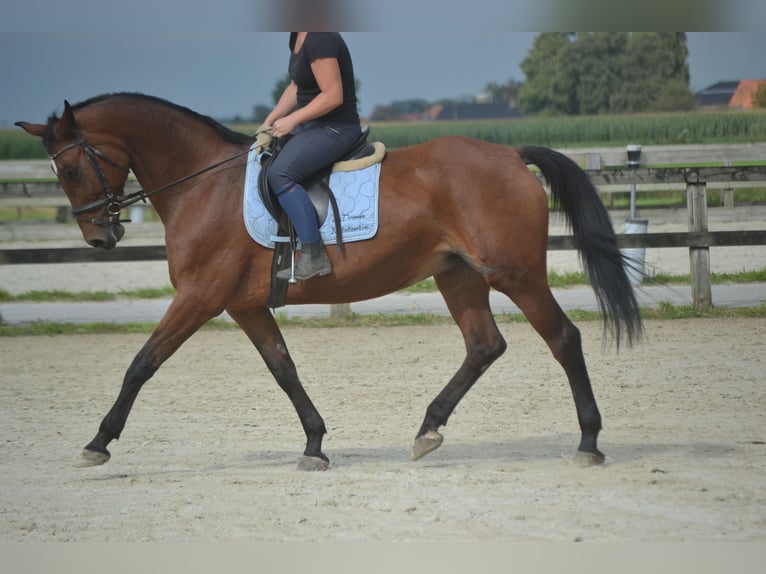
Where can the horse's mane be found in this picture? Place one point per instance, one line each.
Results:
(228, 135)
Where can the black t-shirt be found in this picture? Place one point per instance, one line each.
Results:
(324, 45)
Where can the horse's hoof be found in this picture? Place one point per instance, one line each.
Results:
(313, 463)
(91, 458)
(426, 443)
(585, 459)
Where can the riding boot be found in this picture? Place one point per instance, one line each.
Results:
(313, 261)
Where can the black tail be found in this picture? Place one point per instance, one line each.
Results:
(594, 236)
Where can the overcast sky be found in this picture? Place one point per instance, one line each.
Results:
(224, 74)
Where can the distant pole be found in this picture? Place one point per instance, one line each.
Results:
(633, 199)
(635, 258)
(634, 162)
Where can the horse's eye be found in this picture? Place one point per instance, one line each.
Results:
(73, 174)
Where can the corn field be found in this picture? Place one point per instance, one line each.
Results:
(595, 131)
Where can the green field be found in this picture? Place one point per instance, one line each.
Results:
(15, 143)
(592, 131)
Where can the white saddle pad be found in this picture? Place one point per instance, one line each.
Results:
(355, 191)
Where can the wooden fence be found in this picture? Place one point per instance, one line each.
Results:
(737, 166)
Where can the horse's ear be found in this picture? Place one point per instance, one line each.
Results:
(65, 127)
(32, 129)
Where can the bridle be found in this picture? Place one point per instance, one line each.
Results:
(112, 202)
(115, 203)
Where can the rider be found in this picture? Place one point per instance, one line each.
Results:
(318, 110)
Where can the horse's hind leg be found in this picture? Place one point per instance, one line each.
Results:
(467, 297)
(536, 301)
(262, 329)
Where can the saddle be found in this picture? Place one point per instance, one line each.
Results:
(318, 189)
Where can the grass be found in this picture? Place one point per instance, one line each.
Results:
(660, 199)
(27, 214)
(665, 311)
(81, 296)
(555, 280)
(48, 214)
(757, 276)
(562, 280)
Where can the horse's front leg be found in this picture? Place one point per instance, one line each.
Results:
(184, 317)
(262, 329)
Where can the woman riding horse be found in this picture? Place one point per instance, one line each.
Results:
(318, 111)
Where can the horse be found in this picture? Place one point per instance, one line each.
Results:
(468, 212)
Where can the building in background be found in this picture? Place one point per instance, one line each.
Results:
(729, 94)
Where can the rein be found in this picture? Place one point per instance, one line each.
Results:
(116, 203)
(141, 195)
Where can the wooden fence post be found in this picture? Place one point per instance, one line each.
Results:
(63, 214)
(727, 194)
(340, 311)
(727, 197)
(699, 257)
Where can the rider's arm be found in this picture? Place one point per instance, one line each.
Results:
(327, 74)
(288, 101)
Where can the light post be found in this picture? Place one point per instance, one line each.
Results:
(634, 162)
(635, 257)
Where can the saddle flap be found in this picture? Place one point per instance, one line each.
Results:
(319, 194)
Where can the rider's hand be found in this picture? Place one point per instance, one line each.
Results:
(283, 126)
(263, 137)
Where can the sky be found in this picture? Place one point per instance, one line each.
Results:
(226, 73)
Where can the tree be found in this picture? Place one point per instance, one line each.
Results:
(673, 96)
(759, 97)
(600, 72)
(279, 87)
(398, 108)
(655, 70)
(597, 60)
(507, 93)
(551, 82)
(384, 114)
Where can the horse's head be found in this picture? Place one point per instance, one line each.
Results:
(92, 169)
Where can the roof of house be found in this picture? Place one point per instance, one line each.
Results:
(471, 111)
(719, 94)
(743, 96)
(736, 94)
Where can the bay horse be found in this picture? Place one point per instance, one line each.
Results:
(467, 212)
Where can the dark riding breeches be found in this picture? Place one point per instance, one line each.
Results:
(312, 147)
